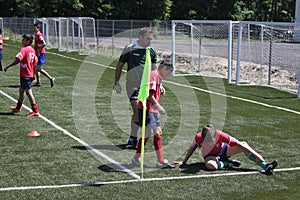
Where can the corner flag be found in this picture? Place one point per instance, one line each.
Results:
(144, 87)
(143, 95)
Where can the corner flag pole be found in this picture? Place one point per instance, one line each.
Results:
(143, 95)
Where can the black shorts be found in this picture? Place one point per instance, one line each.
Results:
(132, 89)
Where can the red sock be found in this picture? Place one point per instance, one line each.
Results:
(34, 108)
(139, 147)
(158, 148)
(19, 105)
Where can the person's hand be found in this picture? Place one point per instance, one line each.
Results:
(180, 164)
(117, 88)
(177, 162)
(160, 109)
(162, 91)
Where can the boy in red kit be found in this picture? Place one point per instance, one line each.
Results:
(217, 146)
(39, 47)
(27, 59)
(154, 109)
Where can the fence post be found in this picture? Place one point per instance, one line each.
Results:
(113, 37)
(299, 85)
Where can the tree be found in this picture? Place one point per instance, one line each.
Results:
(252, 10)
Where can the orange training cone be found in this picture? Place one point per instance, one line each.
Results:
(34, 134)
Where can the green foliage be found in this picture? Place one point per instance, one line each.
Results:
(241, 12)
(269, 10)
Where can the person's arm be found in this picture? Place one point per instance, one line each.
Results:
(16, 61)
(189, 153)
(38, 53)
(155, 103)
(117, 86)
(118, 71)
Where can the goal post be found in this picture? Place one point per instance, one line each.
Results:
(199, 46)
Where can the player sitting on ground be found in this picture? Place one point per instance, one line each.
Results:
(217, 146)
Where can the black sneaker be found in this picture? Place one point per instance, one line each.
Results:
(233, 163)
(270, 167)
(133, 141)
(52, 81)
(37, 85)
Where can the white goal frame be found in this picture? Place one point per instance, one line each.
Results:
(69, 34)
(229, 39)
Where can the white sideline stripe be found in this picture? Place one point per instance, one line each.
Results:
(182, 85)
(89, 147)
(141, 180)
(238, 98)
(120, 165)
(195, 88)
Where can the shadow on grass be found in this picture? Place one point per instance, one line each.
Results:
(193, 168)
(13, 86)
(8, 113)
(115, 168)
(119, 147)
(196, 167)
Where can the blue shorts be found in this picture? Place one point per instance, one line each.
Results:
(25, 83)
(152, 119)
(42, 59)
(221, 156)
(1, 54)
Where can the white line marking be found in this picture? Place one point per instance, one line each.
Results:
(142, 180)
(89, 147)
(120, 165)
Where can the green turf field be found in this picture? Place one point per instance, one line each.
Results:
(81, 111)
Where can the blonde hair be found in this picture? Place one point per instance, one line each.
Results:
(144, 31)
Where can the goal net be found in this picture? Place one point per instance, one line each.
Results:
(69, 34)
(203, 47)
(268, 54)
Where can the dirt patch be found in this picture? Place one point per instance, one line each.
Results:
(250, 73)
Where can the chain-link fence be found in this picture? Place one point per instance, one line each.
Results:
(239, 51)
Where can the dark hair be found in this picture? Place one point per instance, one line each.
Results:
(168, 65)
(0, 31)
(28, 37)
(37, 25)
(144, 31)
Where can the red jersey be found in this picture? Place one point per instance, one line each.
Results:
(154, 88)
(1, 42)
(38, 41)
(215, 147)
(28, 60)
